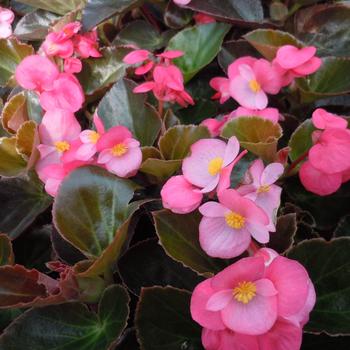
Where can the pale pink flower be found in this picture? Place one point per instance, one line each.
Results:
(267, 113)
(86, 45)
(36, 73)
(249, 297)
(66, 93)
(57, 130)
(180, 196)
(207, 160)
(6, 19)
(226, 228)
(259, 187)
(325, 120)
(119, 152)
(72, 65)
(182, 2)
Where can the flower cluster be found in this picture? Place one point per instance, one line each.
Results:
(251, 79)
(166, 80)
(6, 19)
(258, 303)
(328, 164)
(63, 145)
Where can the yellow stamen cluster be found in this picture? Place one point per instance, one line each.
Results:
(62, 146)
(244, 292)
(119, 149)
(263, 189)
(234, 220)
(94, 136)
(215, 166)
(254, 86)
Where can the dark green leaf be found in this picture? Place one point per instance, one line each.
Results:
(11, 162)
(176, 17)
(200, 45)
(57, 6)
(160, 168)
(6, 253)
(343, 227)
(120, 106)
(328, 265)
(324, 342)
(163, 320)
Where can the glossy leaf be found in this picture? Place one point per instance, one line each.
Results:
(146, 264)
(35, 25)
(56, 6)
(200, 45)
(6, 253)
(329, 268)
(268, 41)
(160, 168)
(177, 141)
(71, 325)
(177, 17)
(178, 235)
(257, 135)
(104, 71)
(11, 53)
(97, 11)
(343, 227)
(90, 207)
(120, 106)
(163, 320)
(22, 200)
(323, 341)
(11, 162)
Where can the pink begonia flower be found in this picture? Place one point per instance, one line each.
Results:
(167, 85)
(119, 152)
(86, 45)
(70, 29)
(226, 228)
(171, 54)
(214, 125)
(57, 130)
(180, 196)
(207, 160)
(137, 56)
(259, 187)
(202, 18)
(36, 73)
(72, 65)
(87, 147)
(249, 297)
(182, 2)
(325, 120)
(267, 113)
(6, 19)
(66, 93)
(222, 86)
(292, 62)
(56, 45)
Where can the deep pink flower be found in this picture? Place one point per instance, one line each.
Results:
(222, 86)
(226, 228)
(6, 19)
(259, 187)
(248, 297)
(180, 196)
(207, 160)
(72, 65)
(56, 45)
(267, 113)
(119, 152)
(66, 93)
(70, 29)
(171, 54)
(137, 56)
(86, 45)
(325, 120)
(36, 73)
(214, 125)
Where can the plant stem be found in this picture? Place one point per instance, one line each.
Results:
(296, 162)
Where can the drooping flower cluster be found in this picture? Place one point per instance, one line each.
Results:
(251, 79)
(6, 19)
(166, 79)
(328, 164)
(63, 145)
(258, 303)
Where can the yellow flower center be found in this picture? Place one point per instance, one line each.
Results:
(94, 136)
(263, 189)
(254, 86)
(119, 150)
(244, 292)
(62, 146)
(235, 220)
(215, 166)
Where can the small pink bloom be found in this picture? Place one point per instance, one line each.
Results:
(57, 131)
(66, 93)
(145, 68)
(137, 56)
(202, 18)
(6, 19)
(214, 125)
(222, 86)
(324, 120)
(207, 160)
(36, 73)
(226, 227)
(72, 65)
(260, 188)
(56, 45)
(267, 113)
(70, 29)
(180, 196)
(119, 152)
(251, 298)
(182, 2)
(171, 54)
(86, 45)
